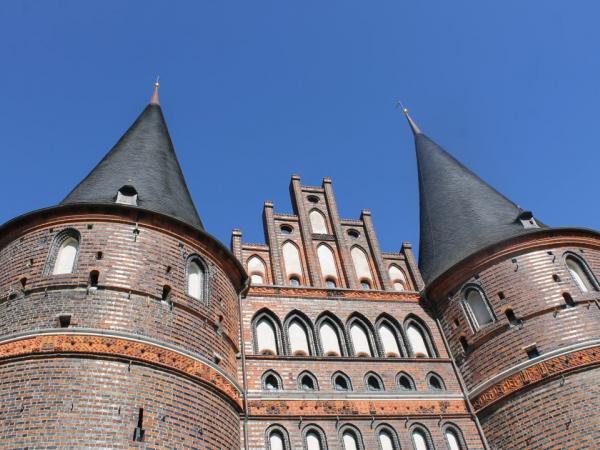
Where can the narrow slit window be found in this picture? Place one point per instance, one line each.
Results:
(478, 308)
(65, 257)
(196, 279)
(580, 274)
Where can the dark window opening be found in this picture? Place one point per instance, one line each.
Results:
(435, 383)
(340, 383)
(512, 318)
(294, 281)
(569, 302)
(405, 383)
(354, 234)
(23, 282)
(533, 352)
(94, 275)
(127, 195)
(556, 278)
(99, 255)
(166, 292)
(64, 320)
(307, 383)
(501, 295)
(313, 199)
(272, 383)
(373, 383)
(286, 229)
(464, 344)
(138, 434)
(330, 282)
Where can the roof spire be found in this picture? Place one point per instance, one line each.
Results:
(154, 99)
(413, 126)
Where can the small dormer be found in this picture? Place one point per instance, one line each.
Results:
(127, 195)
(527, 220)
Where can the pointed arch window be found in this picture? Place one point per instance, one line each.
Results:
(271, 381)
(417, 341)
(330, 340)
(257, 270)
(266, 337)
(307, 382)
(293, 265)
(327, 263)
(66, 256)
(341, 382)
(317, 222)
(581, 274)
(388, 340)
(435, 382)
(298, 338)
(397, 277)
(405, 382)
(360, 339)
(477, 308)
(373, 382)
(196, 278)
(362, 267)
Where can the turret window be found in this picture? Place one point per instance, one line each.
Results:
(477, 308)
(127, 195)
(66, 256)
(196, 278)
(581, 274)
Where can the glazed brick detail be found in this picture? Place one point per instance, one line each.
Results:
(65, 402)
(561, 414)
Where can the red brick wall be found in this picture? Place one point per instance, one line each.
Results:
(127, 302)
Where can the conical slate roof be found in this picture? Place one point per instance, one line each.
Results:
(460, 213)
(145, 159)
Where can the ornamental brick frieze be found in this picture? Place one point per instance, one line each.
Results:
(536, 373)
(275, 291)
(122, 348)
(355, 408)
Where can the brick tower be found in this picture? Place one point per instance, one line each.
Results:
(518, 302)
(118, 312)
(339, 350)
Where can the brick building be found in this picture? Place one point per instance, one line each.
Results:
(124, 324)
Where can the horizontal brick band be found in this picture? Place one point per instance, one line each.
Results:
(536, 373)
(355, 408)
(122, 348)
(281, 291)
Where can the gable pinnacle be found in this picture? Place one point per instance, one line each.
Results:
(154, 100)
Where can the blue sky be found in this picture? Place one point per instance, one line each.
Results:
(255, 91)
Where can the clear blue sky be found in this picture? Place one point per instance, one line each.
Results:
(254, 91)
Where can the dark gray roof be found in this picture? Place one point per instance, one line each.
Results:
(145, 159)
(460, 213)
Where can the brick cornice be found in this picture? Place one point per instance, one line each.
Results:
(536, 373)
(130, 350)
(350, 294)
(544, 238)
(355, 408)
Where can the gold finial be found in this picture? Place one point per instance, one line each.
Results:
(413, 126)
(154, 99)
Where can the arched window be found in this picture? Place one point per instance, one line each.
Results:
(417, 341)
(271, 381)
(317, 222)
(388, 440)
(265, 335)
(330, 283)
(327, 263)
(196, 278)
(477, 308)
(454, 438)
(293, 265)
(389, 340)
(360, 339)
(66, 256)
(351, 438)
(341, 382)
(435, 382)
(397, 277)
(277, 438)
(314, 439)
(307, 382)
(421, 439)
(298, 338)
(581, 274)
(330, 340)
(362, 267)
(373, 382)
(405, 382)
(257, 270)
